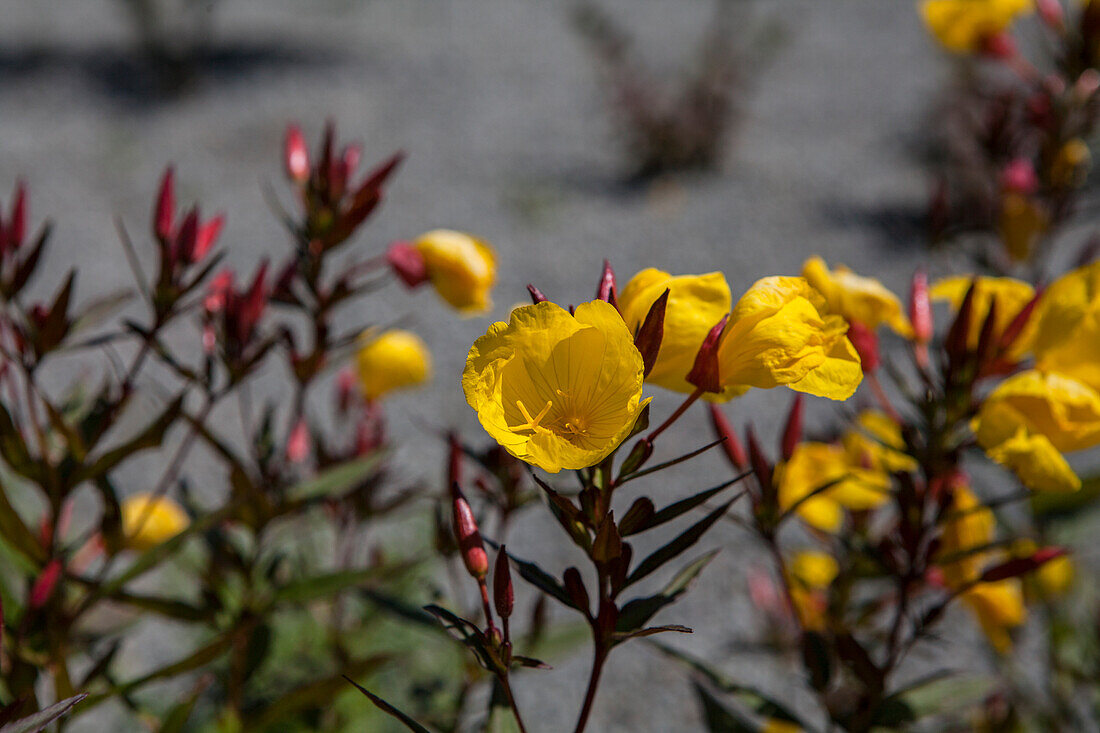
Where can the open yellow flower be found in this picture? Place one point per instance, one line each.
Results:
(148, 521)
(876, 442)
(556, 390)
(781, 333)
(390, 361)
(1011, 296)
(963, 26)
(695, 304)
(850, 485)
(998, 606)
(462, 268)
(1035, 461)
(1067, 333)
(856, 298)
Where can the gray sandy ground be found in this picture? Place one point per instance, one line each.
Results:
(498, 106)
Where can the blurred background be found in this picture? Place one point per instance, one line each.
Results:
(536, 125)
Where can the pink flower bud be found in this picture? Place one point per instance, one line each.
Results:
(45, 584)
(407, 263)
(1000, 46)
(206, 237)
(731, 445)
(704, 372)
(165, 210)
(920, 308)
(1051, 13)
(865, 342)
(298, 443)
(296, 155)
(1019, 177)
(606, 290)
(792, 433)
(468, 536)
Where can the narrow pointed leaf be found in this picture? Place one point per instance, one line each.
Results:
(390, 709)
(678, 545)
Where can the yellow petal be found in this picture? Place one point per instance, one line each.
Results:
(970, 525)
(1067, 333)
(695, 304)
(1064, 410)
(999, 607)
(462, 268)
(391, 361)
(813, 466)
(813, 569)
(856, 298)
(1036, 462)
(962, 26)
(556, 390)
(148, 521)
(1010, 295)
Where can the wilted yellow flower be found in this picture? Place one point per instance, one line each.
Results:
(1011, 296)
(856, 298)
(556, 390)
(462, 268)
(850, 485)
(390, 361)
(1067, 332)
(781, 333)
(1062, 409)
(147, 521)
(963, 26)
(1022, 222)
(695, 304)
(999, 606)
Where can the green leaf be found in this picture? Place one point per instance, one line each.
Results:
(38, 721)
(682, 542)
(672, 511)
(719, 718)
(651, 631)
(168, 607)
(639, 611)
(16, 534)
(15, 452)
(389, 710)
(538, 577)
(317, 694)
(335, 481)
(668, 464)
(329, 584)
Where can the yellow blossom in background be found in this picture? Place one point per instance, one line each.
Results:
(556, 390)
(1011, 296)
(850, 486)
(1022, 223)
(1064, 410)
(462, 268)
(1071, 165)
(781, 333)
(1054, 577)
(809, 574)
(695, 304)
(1036, 462)
(390, 361)
(876, 442)
(963, 26)
(148, 521)
(1067, 333)
(999, 606)
(856, 298)
(778, 725)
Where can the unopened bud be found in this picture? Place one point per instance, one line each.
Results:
(45, 584)
(1000, 46)
(468, 536)
(704, 372)
(731, 445)
(165, 209)
(17, 226)
(407, 263)
(606, 289)
(865, 342)
(536, 294)
(651, 333)
(1019, 177)
(761, 466)
(792, 432)
(297, 444)
(504, 597)
(296, 155)
(1051, 13)
(920, 308)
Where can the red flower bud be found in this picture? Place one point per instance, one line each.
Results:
(606, 289)
(468, 536)
(1051, 13)
(407, 263)
(704, 372)
(865, 342)
(920, 308)
(651, 333)
(206, 237)
(731, 445)
(165, 210)
(1000, 46)
(297, 444)
(504, 597)
(454, 460)
(1019, 177)
(183, 247)
(536, 294)
(45, 584)
(792, 432)
(17, 226)
(296, 155)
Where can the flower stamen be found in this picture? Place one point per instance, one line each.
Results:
(533, 422)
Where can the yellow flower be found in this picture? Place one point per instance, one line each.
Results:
(556, 390)
(999, 606)
(877, 443)
(813, 569)
(809, 573)
(1067, 332)
(1035, 461)
(816, 465)
(778, 725)
(1011, 296)
(147, 521)
(390, 361)
(462, 268)
(1054, 577)
(1062, 409)
(1070, 166)
(1022, 223)
(856, 298)
(781, 333)
(963, 26)
(695, 304)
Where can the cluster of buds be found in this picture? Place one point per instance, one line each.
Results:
(181, 244)
(334, 205)
(18, 262)
(231, 317)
